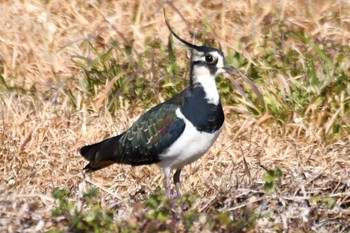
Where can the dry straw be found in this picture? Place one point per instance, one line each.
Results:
(40, 135)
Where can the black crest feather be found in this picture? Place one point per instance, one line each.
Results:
(188, 44)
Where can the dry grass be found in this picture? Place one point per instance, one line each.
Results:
(40, 134)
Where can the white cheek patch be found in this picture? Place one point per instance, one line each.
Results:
(220, 62)
(220, 66)
(201, 71)
(202, 75)
(199, 56)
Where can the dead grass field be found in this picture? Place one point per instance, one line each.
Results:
(40, 134)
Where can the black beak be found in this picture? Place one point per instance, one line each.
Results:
(230, 70)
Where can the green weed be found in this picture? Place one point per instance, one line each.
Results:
(304, 82)
(271, 179)
(91, 219)
(156, 214)
(328, 202)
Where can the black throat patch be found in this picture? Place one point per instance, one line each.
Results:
(206, 117)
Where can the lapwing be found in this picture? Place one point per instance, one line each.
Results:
(176, 132)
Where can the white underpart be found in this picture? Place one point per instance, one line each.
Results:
(189, 147)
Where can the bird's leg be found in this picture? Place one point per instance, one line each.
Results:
(167, 182)
(177, 182)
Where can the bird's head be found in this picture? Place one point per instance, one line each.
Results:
(205, 61)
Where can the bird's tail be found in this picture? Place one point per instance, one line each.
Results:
(101, 154)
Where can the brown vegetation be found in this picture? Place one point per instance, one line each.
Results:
(41, 132)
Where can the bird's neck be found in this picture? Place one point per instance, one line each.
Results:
(209, 87)
(201, 76)
(202, 107)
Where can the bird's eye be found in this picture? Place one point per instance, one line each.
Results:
(209, 58)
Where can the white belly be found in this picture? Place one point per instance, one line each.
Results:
(190, 146)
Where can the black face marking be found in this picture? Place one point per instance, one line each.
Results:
(210, 63)
(213, 60)
(211, 67)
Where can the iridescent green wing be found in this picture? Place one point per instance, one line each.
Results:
(151, 135)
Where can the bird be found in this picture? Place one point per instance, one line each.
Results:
(175, 132)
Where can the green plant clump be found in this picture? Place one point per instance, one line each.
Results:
(156, 214)
(92, 219)
(271, 179)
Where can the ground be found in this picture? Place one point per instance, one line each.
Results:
(41, 130)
